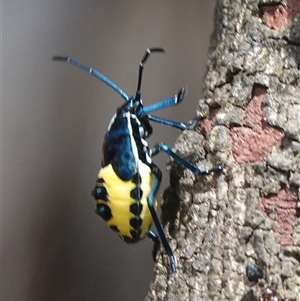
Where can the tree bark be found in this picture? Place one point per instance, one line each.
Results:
(249, 121)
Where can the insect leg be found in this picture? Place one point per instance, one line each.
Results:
(156, 241)
(173, 100)
(176, 124)
(154, 188)
(179, 125)
(92, 71)
(163, 147)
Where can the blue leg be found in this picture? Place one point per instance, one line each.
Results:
(154, 188)
(156, 241)
(175, 124)
(173, 100)
(163, 147)
(92, 71)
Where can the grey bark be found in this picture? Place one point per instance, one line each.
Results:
(249, 122)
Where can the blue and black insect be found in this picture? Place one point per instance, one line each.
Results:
(125, 191)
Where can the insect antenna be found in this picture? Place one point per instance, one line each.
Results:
(141, 68)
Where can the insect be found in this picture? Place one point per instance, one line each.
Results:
(255, 275)
(125, 191)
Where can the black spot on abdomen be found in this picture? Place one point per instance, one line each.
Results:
(104, 211)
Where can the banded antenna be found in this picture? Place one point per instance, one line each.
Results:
(142, 64)
(92, 71)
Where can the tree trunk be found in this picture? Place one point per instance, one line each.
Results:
(249, 121)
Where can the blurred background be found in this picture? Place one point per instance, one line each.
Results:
(54, 117)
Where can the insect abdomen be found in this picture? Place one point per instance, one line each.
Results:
(123, 204)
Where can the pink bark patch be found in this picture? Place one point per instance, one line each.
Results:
(205, 126)
(253, 142)
(285, 209)
(275, 16)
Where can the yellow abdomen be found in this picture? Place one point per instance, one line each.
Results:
(127, 201)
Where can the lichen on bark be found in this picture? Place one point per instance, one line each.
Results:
(249, 121)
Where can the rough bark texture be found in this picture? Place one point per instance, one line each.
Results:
(251, 124)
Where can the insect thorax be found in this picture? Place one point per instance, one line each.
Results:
(125, 144)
